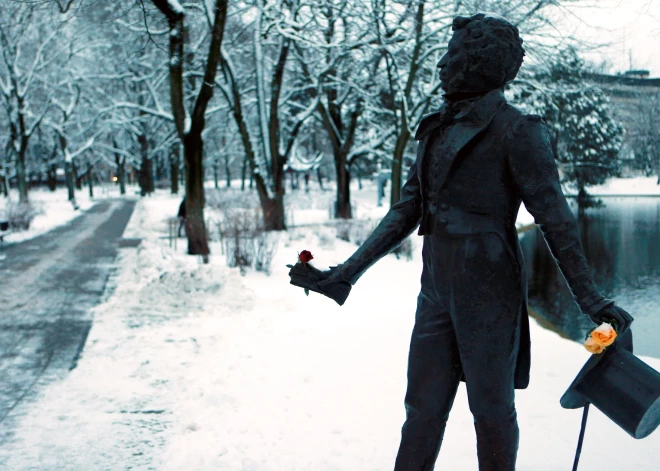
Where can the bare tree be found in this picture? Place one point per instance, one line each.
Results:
(189, 127)
(334, 57)
(278, 112)
(28, 36)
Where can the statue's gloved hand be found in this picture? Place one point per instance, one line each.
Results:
(615, 316)
(329, 283)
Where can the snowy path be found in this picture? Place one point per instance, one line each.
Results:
(49, 284)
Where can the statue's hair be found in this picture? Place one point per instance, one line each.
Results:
(493, 45)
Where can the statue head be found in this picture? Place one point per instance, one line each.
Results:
(485, 52)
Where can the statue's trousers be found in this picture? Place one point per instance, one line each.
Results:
(467, 326)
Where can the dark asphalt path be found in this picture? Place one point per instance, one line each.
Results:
(48, 286)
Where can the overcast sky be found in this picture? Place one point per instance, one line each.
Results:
(627, 25)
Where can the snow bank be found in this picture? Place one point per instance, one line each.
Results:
(637, 186)
(193, 367)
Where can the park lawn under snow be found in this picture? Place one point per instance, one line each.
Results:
(194, 367)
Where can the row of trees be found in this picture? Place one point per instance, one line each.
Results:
(190, 85)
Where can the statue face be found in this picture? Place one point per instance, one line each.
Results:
(454, 66)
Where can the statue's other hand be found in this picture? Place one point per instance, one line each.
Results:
(615, 316)
(328, 283)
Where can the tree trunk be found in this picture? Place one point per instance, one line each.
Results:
(158, 168)
(193, 149)
(21, 178)
(319, 177)
(4, 183)
(227, 173)
(52, 177)
(146, 178)
(175, 161)
(77, 180)
(274, 217)
(121, 174)
(215, 174)
(343, 204)
(120, 162)
(70, 183)
(182, 172)
(397, 167)
(243, 171)
(90, 180)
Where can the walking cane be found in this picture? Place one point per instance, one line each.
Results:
(621, 386)
(585, 413)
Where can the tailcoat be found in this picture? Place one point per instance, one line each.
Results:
(491, 158)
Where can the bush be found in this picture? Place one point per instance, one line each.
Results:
(405, 249)
(326, 238)
(361, 230)
(226, 199)
(265, 245)
(163, 184)
(20, 215)
(344, 229)
(355, 230)
(246, 244)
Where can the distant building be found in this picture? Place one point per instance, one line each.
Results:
(642, 74)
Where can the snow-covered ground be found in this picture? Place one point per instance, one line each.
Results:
(53, 208)
(640, 186)
(194, 367)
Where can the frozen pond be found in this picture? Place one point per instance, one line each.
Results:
(622, 243)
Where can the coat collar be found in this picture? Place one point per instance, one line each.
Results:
(477, 113)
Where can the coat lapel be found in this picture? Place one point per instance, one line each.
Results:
(470, 122)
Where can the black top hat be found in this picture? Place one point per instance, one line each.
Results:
(623, 387)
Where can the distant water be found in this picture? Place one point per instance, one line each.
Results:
(622, 244)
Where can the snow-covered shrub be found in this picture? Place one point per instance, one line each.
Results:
(405, 249)
(355, 230)
(224, 199)
(326, 238)
(361, 230)
(238, 230)
(20, 215)
(265, 245)
(344, 229)
(246, 243)
(163, 184)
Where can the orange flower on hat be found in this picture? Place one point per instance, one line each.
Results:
(600, 338)
(593, 346)
(604, 334)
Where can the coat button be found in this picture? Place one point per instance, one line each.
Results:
(444, 206)
(445, 193)
(443, 221)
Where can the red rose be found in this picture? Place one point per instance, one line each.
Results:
(305, 256)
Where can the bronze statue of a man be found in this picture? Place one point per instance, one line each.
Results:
(478, 159)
